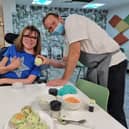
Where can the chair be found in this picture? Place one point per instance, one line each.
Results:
(10, 37)
(81, 68)
(94, 91)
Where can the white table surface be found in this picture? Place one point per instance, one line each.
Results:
(12, 100)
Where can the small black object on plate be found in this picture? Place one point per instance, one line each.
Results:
(91, 109)
(53, 91)
(55, 105)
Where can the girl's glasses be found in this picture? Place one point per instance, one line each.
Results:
(28, 36)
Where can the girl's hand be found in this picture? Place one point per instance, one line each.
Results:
(2, 69)
(15, 63)
(3, 81)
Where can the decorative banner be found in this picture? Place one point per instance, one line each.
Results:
(127, 19)
(120, 38)
(114, 20)
(121, 25)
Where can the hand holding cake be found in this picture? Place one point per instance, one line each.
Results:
(40, 60)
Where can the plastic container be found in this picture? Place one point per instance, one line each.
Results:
(53, 91)
(55, 107)
(91, 105)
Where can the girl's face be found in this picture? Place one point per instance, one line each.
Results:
(29, 40)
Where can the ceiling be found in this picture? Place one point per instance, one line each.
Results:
(109, 4)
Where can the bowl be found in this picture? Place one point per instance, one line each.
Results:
(71, 101)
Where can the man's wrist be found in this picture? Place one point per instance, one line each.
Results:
(48, 61)
(65, 78)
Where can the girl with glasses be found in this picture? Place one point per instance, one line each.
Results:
(18, 62)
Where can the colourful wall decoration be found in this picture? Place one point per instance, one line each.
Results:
(120, 38)
(114, 20)
(121, 25)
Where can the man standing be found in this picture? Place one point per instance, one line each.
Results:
(90, 44)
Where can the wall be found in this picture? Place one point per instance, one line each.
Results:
(29, 14)
(1, 26)
(1, 10)
(1, 32)
(122, 12)
(9, 7)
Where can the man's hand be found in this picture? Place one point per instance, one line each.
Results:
(44, 59)
(57, 82)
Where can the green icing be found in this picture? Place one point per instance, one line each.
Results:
(67, 89)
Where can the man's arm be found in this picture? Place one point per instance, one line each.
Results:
(58, 63)
(73, 57)
(53, 62)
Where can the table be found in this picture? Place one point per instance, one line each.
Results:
(13, 99)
